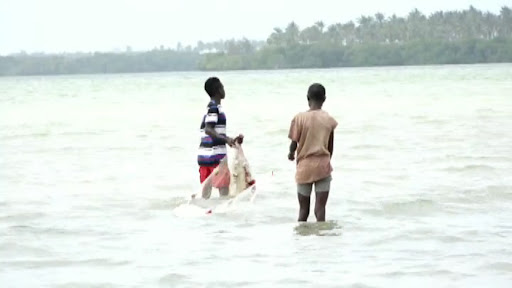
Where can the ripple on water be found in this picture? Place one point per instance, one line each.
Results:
(415, 207)
(460, 198)
(21, 216)
(469, 168)
(173, 279)
(166, 204)
(502, 266)
(84, 284)
(104, 262)
(327, 228)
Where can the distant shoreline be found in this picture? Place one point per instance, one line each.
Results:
(453, 37)
(256, 70)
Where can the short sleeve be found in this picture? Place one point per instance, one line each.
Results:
(294, 132)
(212, 116)
(334, 123)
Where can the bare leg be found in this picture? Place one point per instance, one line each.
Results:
(320, 203)
(207, 191)
(224, 191)
(304, 202)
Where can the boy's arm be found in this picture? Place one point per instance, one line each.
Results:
(210, 121)
(210, 131)
(294, 135)
(334, 124)
(331, 143)
(293, 148)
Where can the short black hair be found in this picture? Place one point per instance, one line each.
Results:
(316, 92)
(212, 86)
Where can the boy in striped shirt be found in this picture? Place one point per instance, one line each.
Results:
(212, 148)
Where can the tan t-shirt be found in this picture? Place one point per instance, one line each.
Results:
(311, 130)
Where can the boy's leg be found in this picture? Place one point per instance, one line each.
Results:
(322, 188)
(224, 191)
(222, 178)
(304, 196)
(204, 173)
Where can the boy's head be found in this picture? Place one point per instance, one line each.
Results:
(316, 94)
(214, 88)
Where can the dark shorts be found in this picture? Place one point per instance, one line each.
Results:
(322, 185)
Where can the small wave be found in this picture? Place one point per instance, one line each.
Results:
(167, 204)
(417, 207)
(85, 285)
(367, 147)
(173, 279)
(349, 131)
(486, 193)
(23, 136)
(348, 157)
(276, 132)
(293, 282)
(379, 183)
(451, 239)
(63, 263)
(370, 128)
(431, 121)
(486, 110)
(478, 158)
(15, 248)
(327, 228)
(487, 113)
(22, 216)
(425, 272)
(360, 285)
(499, 266)
(121, 148)
(468, 168)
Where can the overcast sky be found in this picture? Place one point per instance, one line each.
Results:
(100, 25)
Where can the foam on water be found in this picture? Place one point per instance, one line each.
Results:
(202, 207)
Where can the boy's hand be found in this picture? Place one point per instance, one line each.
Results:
(230, 141)
(291, 156)
(239, 138)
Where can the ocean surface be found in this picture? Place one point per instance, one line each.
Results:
(92, 168)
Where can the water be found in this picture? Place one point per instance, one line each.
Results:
(92, 167)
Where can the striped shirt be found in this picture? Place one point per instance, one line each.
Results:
(212, 150)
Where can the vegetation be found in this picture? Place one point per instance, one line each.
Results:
(454, 37)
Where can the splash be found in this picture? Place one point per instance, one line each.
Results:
(239, 179)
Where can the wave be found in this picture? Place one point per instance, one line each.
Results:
(498, 266)
(63, 263)
(21, 217)
(482, 157)
(416, 207)
(49, 133)
(490, 193)
(470, 167)
(368, 147)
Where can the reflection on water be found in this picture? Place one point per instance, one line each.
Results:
(327, 228)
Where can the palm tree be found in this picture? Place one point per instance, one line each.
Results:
(348, 31)
(364, 30)
(276, 38)
(292, 34)
(380, 36)
(416, 25)
(320, 25)
(506, 22)
(334, 34)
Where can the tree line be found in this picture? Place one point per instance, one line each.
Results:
(452, 37)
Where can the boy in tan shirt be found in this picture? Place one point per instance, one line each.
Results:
(312, 136)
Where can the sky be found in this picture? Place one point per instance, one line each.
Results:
(54, 26)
